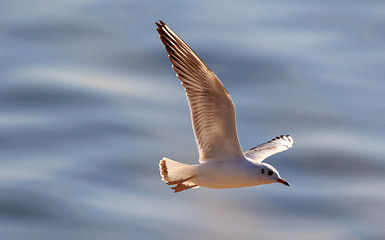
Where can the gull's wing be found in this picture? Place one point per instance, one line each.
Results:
(276, 145)
(211, 107)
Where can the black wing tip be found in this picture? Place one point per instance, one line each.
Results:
(280, 137)
(287, 136)
(284, 137)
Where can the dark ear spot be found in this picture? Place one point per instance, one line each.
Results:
(270, 173)
(263, 171)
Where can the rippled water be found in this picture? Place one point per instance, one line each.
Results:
(89, 104)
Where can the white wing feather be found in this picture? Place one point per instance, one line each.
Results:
(211, 107)
(276, 145)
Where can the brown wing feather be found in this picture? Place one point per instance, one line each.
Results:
(211, 107)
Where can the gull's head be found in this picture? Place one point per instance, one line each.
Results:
(269, 174)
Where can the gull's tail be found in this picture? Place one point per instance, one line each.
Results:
(176, 173)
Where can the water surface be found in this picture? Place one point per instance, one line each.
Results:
(89, 105)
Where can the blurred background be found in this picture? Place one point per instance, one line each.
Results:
(89, 105)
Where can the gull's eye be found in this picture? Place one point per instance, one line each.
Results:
(270, 173)
(263, 171)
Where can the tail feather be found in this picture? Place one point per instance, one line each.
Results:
(172, 171)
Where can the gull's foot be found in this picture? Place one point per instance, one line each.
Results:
(180, 181)
(180, 187)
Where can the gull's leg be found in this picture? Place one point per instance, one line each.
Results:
(179, 184)
(180, 181)
(180, 187)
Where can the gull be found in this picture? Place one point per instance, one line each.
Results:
(222, 164)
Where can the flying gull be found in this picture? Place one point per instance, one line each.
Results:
(222, 164)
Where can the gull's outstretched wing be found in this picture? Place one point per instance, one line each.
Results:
(276, 145)
(211, 107)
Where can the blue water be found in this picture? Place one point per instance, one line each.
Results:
(89, 105)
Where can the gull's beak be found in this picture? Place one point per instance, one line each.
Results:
(280, 180)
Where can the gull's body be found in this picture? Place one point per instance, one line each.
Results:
(222, 162)
(227, 174)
